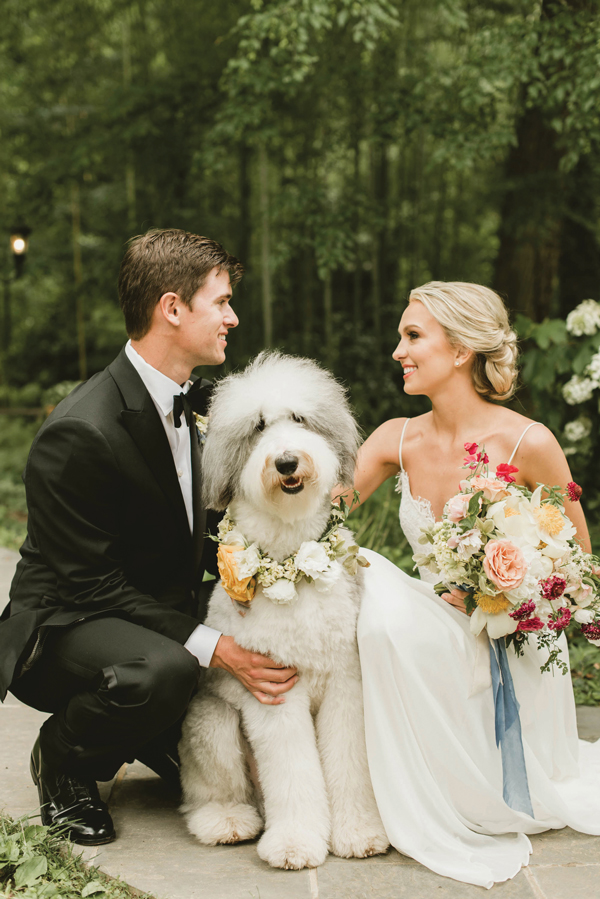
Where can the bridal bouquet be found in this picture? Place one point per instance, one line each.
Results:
(516, 555)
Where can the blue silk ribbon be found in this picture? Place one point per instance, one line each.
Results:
(515, 787)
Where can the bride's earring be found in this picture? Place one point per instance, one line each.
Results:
(457, 363)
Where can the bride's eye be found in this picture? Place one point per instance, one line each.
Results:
(298, 418)
(413, 335)
(260, 425)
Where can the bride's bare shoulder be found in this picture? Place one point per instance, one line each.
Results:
(388, 435)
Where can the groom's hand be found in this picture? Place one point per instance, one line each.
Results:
(264, 678)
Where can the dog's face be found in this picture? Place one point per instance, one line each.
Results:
(281, 435)
(290, 468)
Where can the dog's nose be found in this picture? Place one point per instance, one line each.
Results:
(286, 464)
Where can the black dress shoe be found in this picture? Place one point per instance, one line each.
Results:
(74, 802)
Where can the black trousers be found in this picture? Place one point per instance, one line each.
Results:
(114, 688)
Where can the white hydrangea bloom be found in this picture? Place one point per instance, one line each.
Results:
(578, 429)
(593, 369)
(578, 390)
(584, 319)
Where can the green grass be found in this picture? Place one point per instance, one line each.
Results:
(37, 863)
(16, 435)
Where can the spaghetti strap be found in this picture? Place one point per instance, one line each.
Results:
(401, 442)
(533, 424)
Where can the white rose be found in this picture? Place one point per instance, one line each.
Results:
(248, 562)
(584, 616)
(312, 559)
(282, 591)
(326, 579)
(234, 538)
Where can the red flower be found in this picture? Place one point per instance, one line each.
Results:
(532, 624)
(553, 587)
(483, 457)
(504, 472)
(524, 611)
(574, 491)
(560, 623)
(591, 631)
(471, 448)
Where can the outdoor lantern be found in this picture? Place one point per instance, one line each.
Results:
(19, 242)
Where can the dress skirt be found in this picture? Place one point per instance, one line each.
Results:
(433, 759)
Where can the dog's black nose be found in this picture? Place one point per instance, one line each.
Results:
(286, 464)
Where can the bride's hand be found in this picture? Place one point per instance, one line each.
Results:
(456, 598)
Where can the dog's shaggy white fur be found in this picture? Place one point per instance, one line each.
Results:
(310, 752)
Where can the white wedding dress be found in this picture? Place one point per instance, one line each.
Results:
(429, 717)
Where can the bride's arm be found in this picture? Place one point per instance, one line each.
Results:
(541, 460)
(377, 461)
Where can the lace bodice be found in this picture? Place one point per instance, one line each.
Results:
(416, 513)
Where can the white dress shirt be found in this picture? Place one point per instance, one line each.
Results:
(201, 642)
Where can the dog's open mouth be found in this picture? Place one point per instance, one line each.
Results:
(292, 484)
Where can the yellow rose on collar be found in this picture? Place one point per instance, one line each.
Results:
(240, 590)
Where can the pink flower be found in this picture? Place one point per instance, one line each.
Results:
(531, 624)
(524, 611)
(574, 491)
(504, 564)
(471, 448)
(470, 462)
(553, 587)
(562, 621)
(492, 489)
(591, 631)
(457, 507)
(504, 472)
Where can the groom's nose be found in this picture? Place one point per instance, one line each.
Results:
(230, 319)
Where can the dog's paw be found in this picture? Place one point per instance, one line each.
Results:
(224, 823)
(292, 848)
(355, 841)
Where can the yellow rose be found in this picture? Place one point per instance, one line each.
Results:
(241, 591)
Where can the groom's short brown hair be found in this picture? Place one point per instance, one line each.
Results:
(167, 260)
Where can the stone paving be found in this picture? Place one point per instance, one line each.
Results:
(155, 853)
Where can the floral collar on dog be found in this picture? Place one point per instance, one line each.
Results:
(242, 565)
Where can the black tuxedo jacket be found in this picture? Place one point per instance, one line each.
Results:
(107, 530)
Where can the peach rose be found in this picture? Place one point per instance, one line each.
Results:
(493, 489)
(457, 507)
(240, 590)
(504, 564)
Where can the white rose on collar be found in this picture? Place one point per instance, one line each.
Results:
(282, 591)
(312, 559)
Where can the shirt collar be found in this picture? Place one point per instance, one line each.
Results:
(161, 388)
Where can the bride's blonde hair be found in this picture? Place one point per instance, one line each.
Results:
(475, 318)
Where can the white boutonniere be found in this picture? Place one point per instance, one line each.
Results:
(201, 426)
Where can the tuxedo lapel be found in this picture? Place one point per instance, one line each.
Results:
(143, 423)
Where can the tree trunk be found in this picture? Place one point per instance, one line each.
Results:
(78, 278)
(531, 231)
(129, 164)
(527, 265)
(265, 248)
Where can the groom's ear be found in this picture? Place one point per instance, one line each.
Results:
(168, 308)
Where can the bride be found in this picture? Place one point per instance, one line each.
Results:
(429, 709)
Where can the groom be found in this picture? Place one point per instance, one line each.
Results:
(103, 626)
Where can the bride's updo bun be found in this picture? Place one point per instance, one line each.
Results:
(475, 318)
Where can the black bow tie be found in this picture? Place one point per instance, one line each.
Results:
(195, 400)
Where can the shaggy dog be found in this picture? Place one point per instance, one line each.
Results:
(280, 437)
